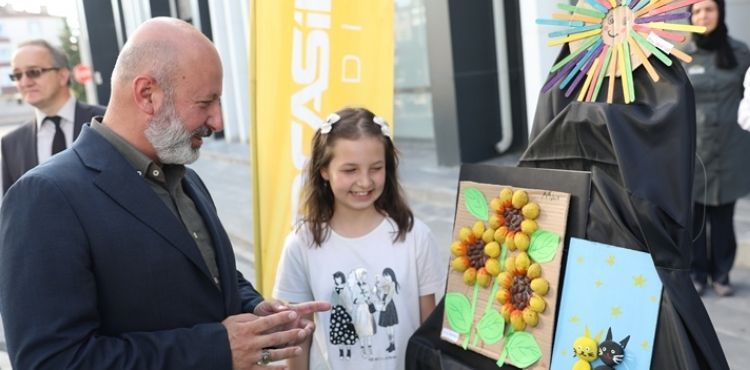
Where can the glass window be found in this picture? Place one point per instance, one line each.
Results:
(413, 97)
(35, 29)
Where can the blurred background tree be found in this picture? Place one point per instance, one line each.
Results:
(70, 46)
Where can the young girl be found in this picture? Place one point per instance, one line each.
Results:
(355, 219)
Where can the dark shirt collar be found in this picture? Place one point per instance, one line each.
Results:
(167, 175)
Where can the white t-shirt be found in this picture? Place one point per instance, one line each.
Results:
(376, 309)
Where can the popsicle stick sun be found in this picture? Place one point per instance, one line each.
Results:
(611, 38)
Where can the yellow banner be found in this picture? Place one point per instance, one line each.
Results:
(311, 58)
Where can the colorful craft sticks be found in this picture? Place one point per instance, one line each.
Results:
(611, 38)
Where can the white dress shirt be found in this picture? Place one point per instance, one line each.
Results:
(46, 129)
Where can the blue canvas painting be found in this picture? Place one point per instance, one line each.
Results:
(608, 310)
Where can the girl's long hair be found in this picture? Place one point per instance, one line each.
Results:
(317, 198)
(340, 275)
(389, 271)
(718, 40)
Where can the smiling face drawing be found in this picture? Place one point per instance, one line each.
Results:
(616, 25)
(607, 39)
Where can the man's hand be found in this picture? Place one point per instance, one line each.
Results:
(272, 306)
(250, 335)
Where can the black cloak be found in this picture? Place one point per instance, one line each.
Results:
(641, 158)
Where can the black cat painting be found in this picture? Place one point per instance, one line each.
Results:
(612, 353)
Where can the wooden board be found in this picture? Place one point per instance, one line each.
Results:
(553, 218)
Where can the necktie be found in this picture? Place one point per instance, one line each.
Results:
(58, 142)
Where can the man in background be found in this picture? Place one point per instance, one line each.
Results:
(42, 76)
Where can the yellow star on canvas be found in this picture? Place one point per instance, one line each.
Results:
(616, 311)
(598, 283)
(652, 298)
(564, 353)
(644, 344)
(639, 280)
(579, 259)
(611, 260)
(574, 319)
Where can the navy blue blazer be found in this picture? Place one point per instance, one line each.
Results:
(18, 147)
(97, 273)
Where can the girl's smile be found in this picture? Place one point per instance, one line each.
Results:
(356, 175)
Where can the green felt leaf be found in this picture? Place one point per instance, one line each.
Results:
(491, 327)
(523, 349)
(458, 310)
(543, 246)
(476, 204)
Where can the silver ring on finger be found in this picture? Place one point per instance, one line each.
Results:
(265, 357)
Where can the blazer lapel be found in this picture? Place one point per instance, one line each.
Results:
(82, 116)
(78, 120)
(30, 145)
(119, 180)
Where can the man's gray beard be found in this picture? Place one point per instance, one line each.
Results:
(170, 139)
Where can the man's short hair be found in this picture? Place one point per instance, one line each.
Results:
(59, 58)
(157, 58)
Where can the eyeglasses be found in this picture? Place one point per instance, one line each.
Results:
(32, 73)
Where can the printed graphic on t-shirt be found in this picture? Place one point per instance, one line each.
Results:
(359, 308)
(342, 332)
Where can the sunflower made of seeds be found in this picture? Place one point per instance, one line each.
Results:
(476, 254)
(521, 292)
(513, 218)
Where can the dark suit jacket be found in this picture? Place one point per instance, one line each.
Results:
(97, 273)
(19, 146)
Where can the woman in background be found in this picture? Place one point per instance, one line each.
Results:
(716, 73)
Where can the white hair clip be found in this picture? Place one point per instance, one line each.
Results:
(380, 121)
(328, 124)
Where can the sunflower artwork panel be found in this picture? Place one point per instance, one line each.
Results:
(503, 281)
(609, 309)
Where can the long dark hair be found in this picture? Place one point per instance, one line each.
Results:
(340, 275)
(317, 197)
(388, 271)
(718, 40)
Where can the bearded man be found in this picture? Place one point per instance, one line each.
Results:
(111, 253)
